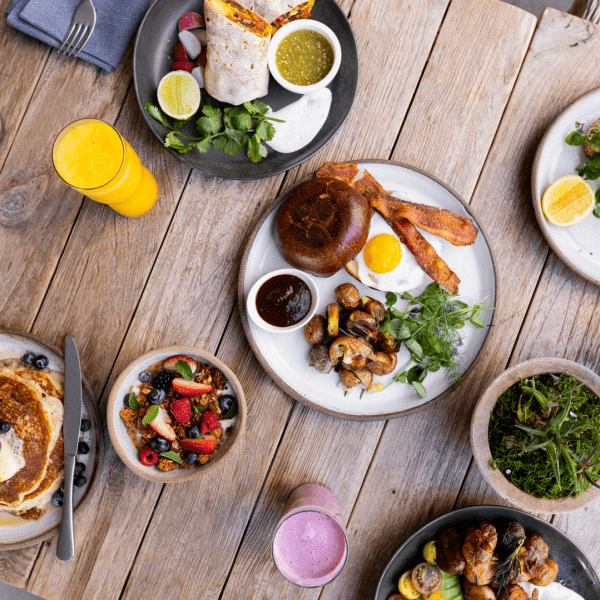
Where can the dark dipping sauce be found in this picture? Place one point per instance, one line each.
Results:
(283, 300)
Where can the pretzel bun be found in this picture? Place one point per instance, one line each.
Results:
(323, 224)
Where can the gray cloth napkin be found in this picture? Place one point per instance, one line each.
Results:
(49, 21)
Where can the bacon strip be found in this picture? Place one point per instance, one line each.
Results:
(368, 185)
(425, 254)
(458, 230)
(345, 172)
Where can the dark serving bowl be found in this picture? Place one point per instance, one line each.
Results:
(575, 570)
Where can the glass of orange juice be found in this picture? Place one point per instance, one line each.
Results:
(92, 157)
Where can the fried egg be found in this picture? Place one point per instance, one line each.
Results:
(386, 264)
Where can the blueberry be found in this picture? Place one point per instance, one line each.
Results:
(194, 432)
(163, 380)
(86, 425)
(57, 499)
(5, 427)
(190, 458)
(159, 444)
(83, 448)
(41, 362)
(144, 377)
(225, 402)
(79, 480)
(79, 468)
(29, 358)
(156, 396)
(126, 400)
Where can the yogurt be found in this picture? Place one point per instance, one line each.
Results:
(11, 455)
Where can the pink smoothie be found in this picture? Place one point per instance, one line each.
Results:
(309, 549)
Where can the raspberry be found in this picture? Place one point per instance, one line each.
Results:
(209, 422)
(148, 457)
(182, 410)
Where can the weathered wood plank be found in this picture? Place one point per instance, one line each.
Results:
(15, 566)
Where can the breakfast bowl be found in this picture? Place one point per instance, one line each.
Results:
(254, 311)
(495, 474)
(158, 414)
(283, 34)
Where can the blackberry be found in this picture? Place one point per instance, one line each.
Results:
(163, 380)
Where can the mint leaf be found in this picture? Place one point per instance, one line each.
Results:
(172, 141)
(265, 130)
(133, 402)
(184, 369)
(200, 409)
(260, 107)
(256, 151)
(575, 138)
(155, 112)
(172, 455)
(150, 415)
(232, 411)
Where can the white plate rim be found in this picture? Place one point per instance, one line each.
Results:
(273, 374)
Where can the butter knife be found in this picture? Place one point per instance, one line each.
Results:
(71, 424)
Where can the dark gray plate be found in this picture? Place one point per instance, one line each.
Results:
(575, 570)
(156, 38)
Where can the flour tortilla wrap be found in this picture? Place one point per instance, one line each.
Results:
(280, 12)
(236, 60)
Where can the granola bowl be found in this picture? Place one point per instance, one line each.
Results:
(174, 413)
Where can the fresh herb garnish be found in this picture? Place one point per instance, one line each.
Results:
(429, 326)
(184, 369)
(544, 435)
(133, 402)
(232, 411)
(173, 456)
(200, 409)
(229, 129)
(150, 415)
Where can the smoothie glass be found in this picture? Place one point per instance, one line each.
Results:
(310, 547)
(92, 157)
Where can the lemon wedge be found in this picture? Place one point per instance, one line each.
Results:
(568, 201)
(179, 94)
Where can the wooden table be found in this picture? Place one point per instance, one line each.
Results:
(463, 89)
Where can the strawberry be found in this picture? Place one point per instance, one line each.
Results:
(209, 422)
(161, 425)
(170, 364)
(205, 445)
(179, 53)
(190, 389)
(183, 65)
(182, 410)
(148, 457)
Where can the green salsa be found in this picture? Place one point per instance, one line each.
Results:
(304, 57)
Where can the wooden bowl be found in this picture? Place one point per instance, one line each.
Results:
(479, 433)
(118, 432)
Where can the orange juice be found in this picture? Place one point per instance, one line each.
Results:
(93, 157)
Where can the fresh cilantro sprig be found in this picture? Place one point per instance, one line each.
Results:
(230, 129)
(429, 326)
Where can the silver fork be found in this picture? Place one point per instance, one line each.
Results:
(82, 27)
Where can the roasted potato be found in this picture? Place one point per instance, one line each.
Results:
(545, 574)
(536, 550)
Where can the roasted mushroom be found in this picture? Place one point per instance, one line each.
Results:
(384, 342)
(477, 592)
(449, 554)
(347, 296)
(319, 359)
(374, 308)
(362, 324)
(347, 349)
(515, 592)
(426, 579)
(545, 574)
(383, 364)
(480, 543)
(333, 319)
(358, 362)
(350, 379)
(536, 550)
(316, 330)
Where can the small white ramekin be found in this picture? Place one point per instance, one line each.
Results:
(298, 25)
(251, 301)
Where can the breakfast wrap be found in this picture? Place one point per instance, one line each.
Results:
(238, 42)
(280, 12)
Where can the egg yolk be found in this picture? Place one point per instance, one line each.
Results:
(382, 253)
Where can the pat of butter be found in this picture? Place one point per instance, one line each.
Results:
(11, 455)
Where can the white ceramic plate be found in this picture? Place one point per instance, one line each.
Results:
(285, 356)
(578, 246)
(14, 531)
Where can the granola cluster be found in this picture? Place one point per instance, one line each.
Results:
(142, 435)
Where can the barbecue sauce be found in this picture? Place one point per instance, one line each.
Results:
(283, 300)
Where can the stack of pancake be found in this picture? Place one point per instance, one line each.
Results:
(32, 402)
